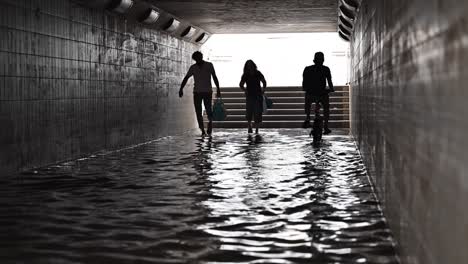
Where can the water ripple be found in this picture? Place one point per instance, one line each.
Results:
(233, 198)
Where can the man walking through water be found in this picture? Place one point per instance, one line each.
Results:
(314, 84)
(202, 71)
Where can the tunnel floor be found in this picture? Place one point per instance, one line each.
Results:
(232, 198)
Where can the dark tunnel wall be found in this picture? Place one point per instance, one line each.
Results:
(409, 116)
(74, 81)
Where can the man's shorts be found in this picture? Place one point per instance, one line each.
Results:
(322, 99)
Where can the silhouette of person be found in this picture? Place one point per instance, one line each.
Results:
(253, 93)
(202, 71)
(314, 82)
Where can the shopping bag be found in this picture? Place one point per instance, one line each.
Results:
(264, 105)
(219, 110)
(268, 101)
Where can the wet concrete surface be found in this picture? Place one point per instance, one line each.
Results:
(232, 198)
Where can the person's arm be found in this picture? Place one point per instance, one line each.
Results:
(184, 82)
(262, 79)
(330, 83)
(215, 79)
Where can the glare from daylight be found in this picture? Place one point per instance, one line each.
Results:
(280, 57)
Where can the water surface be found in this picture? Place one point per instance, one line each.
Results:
(232, 198)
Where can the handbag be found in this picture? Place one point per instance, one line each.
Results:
(264, 105)
(219, 110)
(268, 101)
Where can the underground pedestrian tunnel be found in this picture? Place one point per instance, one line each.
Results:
(102, 162)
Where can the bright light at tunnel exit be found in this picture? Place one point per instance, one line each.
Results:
(280, 57)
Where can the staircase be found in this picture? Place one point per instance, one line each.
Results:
(288, 108)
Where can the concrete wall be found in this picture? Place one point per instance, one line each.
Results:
(410, 118)
(74, 81)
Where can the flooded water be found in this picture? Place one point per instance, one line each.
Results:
(272, 198)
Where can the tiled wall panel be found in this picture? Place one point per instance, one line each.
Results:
(409, 116)
(75, 81)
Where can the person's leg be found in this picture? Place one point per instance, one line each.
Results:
(197, 101)
(307, 109)
(316, 129)
(207, 100)
(326, 113)
(308, 105)
(249, 126)
(258, 113)
(249, 112)
(317, 102)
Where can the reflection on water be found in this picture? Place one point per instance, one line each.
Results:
(234, 198)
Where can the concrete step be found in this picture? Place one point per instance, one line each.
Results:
(333, 105)
(276, 124)
(288, 109)
(279, 94)
(268, 117)
(279, 89)
(296, 111)
(297, 100)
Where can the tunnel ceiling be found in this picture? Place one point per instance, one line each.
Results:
(256, 16)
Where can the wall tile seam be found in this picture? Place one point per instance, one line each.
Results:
(92, 62)
(383, 63)
(421, 78)
(96, 96)
(89, 43)
(40, 11)
(391, 36)
(80, 99)
(160, 58)
(403, 32)
(379, 66)
(365, 75)
(418, 236)
(146, 88)
(139, 95)
(123, 80)
(105, 150)
(392, 223)
(381, 201)
(109, 14)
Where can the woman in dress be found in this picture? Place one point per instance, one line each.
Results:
(253, 93)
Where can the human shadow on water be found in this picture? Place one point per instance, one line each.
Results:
(202, 162)
(255, 139)
(254, 153)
